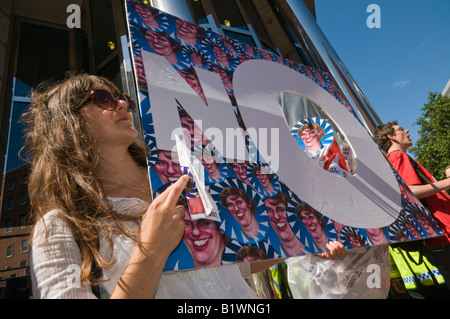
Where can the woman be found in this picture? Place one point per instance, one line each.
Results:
(95, 223)
(242, 208)
(204, 240)
(162, 44)
(90, 195)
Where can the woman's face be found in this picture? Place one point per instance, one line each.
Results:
(311, 223)
(264, 179)
(186, 30)
(159, 43)
(310, 138)
(197, 59)
(240, 169)
(203, 239)
(166, 168)
(354, 241)
(220, 54)
(192, 132)
(210, 164)
(193, 82)
(224, 75)
(111, 128)
(425, 223)
(278, 219)
(146, 14)
(240, 209)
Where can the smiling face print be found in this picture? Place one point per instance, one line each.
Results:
(204, 241)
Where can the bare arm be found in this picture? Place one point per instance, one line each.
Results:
(336, 250)
(423, 191)
(161, 231)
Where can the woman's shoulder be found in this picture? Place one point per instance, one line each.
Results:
(54, 217)
(51, 224)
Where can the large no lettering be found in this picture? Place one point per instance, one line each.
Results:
(166, 86)
(368, 199)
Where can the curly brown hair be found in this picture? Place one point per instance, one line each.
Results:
(63, 166)
(381, 135)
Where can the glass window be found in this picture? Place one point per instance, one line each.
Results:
(24, 245)
(22, 221)
(199, 12)
(83, 52)
(10, 203)
(16, 137)
(103, 31)
(12, 184)
(240, 37)
(43, 50)
(23, 198)
(8, 225)
(229, 14)
(257, 23)
(9, 251)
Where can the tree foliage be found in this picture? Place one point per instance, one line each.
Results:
(433, 147)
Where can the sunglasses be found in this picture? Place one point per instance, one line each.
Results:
(108, 101)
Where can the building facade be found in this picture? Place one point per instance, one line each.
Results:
(14, 233)
(43, 40)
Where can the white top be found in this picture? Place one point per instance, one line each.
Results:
(55, 267)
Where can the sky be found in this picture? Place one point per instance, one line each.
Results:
(397, 64)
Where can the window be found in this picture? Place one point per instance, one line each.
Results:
(259, 23)
(24, 179)
(104, 38)
(22, 221)
(11, 184)
(8, 225)
(44, 50)
(23, 198)
(199, 12)
(10, 203)
(9, 251)
(24, 245)
(244, 38)
(229, 14)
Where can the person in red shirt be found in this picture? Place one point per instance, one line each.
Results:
(395, 141)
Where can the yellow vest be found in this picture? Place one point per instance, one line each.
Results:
(280, 283)
(399, 268)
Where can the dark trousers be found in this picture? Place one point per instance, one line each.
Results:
(440, 257)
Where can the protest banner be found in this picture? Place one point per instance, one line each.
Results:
(280, 162)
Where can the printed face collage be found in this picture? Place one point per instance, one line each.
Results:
(258, 216)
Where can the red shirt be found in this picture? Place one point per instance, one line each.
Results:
(438, 204)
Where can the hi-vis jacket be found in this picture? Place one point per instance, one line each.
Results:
(402, 266)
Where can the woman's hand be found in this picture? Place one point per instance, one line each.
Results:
(161, 231)
(336, 250)
(163, 224)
